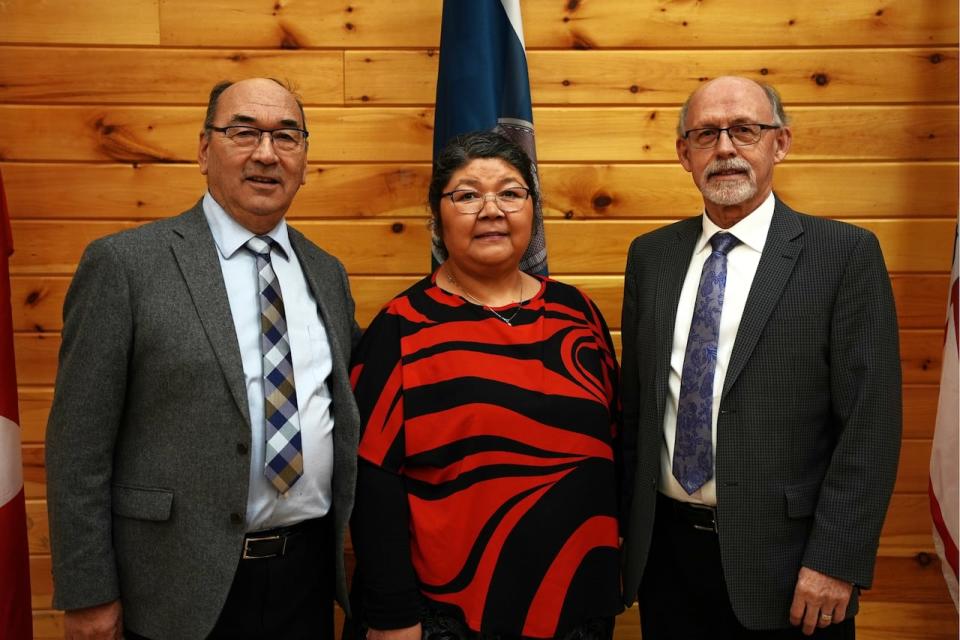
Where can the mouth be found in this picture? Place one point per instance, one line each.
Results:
(491, 235)
(262, 180)
(727, 173)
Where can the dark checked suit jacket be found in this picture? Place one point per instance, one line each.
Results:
(147, 463)
(808, 435)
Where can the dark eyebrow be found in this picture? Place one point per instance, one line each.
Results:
(239, 117)
(244, 119)
(503, 181)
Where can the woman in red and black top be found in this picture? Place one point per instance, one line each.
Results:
(486, 499)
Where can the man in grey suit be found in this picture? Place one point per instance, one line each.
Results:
(201, 448)
(761, 396)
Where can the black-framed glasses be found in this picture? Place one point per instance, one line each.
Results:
(741, 135)
(471, 202)
(247, 137)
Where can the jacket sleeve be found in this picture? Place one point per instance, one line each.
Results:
(865, 384)
(82, 429)
(630, 392)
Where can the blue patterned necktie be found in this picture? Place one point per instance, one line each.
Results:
(284, 450)
(693, 446)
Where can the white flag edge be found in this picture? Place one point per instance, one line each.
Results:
(11, 464)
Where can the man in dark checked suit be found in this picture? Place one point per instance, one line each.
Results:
(201, 448)
(761, 396)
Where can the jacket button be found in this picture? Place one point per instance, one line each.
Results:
(236, 518)
(242, 448)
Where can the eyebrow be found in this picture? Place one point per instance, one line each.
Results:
(474, 182)
(245, 119)
(730, 123)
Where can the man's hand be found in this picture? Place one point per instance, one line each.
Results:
(102, 622)
(818, 600)
(410, 633)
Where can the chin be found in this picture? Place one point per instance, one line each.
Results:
(267, 206)
(495, 260)
(730, 195)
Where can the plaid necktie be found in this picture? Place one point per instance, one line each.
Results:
(693, 446)
(284, 452)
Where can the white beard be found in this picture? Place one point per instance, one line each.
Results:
(730, 192)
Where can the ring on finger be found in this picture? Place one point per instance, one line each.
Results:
(826, 617)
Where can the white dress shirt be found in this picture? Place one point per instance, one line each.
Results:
(311, 496)
(742, 264)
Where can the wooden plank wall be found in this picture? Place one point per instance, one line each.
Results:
(101, 103)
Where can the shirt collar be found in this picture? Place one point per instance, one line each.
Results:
(751, 231)
(229, 235)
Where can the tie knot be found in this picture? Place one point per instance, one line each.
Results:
(261, 245)
(724, 242)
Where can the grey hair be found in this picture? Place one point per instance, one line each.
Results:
(780, 117)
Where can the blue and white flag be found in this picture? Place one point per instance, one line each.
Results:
(483, 84)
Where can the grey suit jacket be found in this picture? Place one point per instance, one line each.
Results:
(148, 436)
(808, 434)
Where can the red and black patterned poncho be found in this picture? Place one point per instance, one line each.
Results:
(500, 441)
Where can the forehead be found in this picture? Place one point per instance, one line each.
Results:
(263, 100)
(485, 170)
(730, 101)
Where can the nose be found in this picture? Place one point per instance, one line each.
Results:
(725, 146)
(490, 208)
(264, 151)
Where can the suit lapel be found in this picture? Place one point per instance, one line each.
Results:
(316, 275)
(196, 254)
(674, 263)
(780, 253)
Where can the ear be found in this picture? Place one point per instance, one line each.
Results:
(683, 152)
(202, 151)
(782, 144)
(303, 176)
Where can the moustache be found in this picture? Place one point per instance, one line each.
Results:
(726, 164)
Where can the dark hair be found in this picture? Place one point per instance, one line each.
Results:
(223, 85)
(458, 153)
(780, 117)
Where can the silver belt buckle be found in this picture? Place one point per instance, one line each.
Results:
(246, 547)
(713, 517)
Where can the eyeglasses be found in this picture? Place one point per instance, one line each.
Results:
(470, 202)
(247, 137)
(741, 135)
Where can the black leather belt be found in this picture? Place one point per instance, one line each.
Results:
(272, 543)
(699, 516)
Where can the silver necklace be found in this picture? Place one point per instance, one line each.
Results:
(473, 299)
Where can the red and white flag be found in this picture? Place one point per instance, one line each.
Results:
(15, 617)
(944, 460)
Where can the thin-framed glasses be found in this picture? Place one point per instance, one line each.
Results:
(741, 135)
(247, 137)
(471, 202)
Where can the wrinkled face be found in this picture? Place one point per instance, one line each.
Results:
(727, 174)
(490, 240)
(254, 185)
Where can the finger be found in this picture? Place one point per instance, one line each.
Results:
(826, 617)
(840, 612)
(810, 619)
(796, 610)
